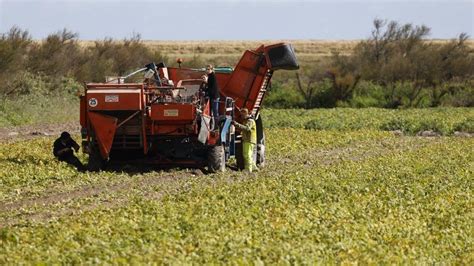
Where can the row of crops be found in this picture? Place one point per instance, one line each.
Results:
(326, 196)
(444, 121)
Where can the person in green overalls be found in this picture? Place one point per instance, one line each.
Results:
(249, 138)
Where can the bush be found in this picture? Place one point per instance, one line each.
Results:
(24, 83)
(14, 46)
(465, 126)
(413, 71)
(396, 67)
(368, 94)
(115, 58)
(324, 96)
(283, 97)
(58, 55)
(460, 96)
(399, 123)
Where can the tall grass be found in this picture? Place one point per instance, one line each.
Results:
(28, 110)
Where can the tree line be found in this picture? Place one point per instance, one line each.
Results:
(397, 66)
(60, 56)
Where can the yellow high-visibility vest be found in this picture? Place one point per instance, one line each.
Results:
(249, 130)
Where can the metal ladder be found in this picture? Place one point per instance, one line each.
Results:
(261, 93)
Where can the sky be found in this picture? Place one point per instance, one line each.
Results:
(233, 19)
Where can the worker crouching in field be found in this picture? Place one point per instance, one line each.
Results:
(249, 138)
(63, 151)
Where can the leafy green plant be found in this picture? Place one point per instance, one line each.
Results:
(283, 97)
(325, 196)
(400, 123)
(465, 126)
(411, 121)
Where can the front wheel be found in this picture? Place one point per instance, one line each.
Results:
(260, 158)
(261, 155)
(216, 159)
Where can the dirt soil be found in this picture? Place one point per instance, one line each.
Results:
(33, 131)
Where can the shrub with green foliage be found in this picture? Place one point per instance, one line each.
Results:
(283, 97)
(60, 56)
(396, 67)
(465, 126)
(413, 71)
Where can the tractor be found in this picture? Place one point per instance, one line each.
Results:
(165, 118)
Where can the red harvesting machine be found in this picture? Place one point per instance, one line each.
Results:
(166, 120)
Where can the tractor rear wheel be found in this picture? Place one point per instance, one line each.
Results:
(216, 159)
(260, 152)
(260, 158)
(95, 163)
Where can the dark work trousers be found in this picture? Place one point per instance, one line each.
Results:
(215, 107)
(73, 160)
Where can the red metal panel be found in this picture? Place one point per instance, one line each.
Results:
(207, 108)
(114, 99)
(246, 80)
(173, 112)
(104, 127)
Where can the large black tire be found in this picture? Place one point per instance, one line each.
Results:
(260, 159)
(261, 154)
(216, 159)
(95, 163)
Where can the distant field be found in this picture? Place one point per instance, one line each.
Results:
(229, 51)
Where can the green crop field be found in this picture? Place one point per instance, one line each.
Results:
(339, 187)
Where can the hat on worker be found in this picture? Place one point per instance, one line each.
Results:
(244, 112)
(65, 135)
